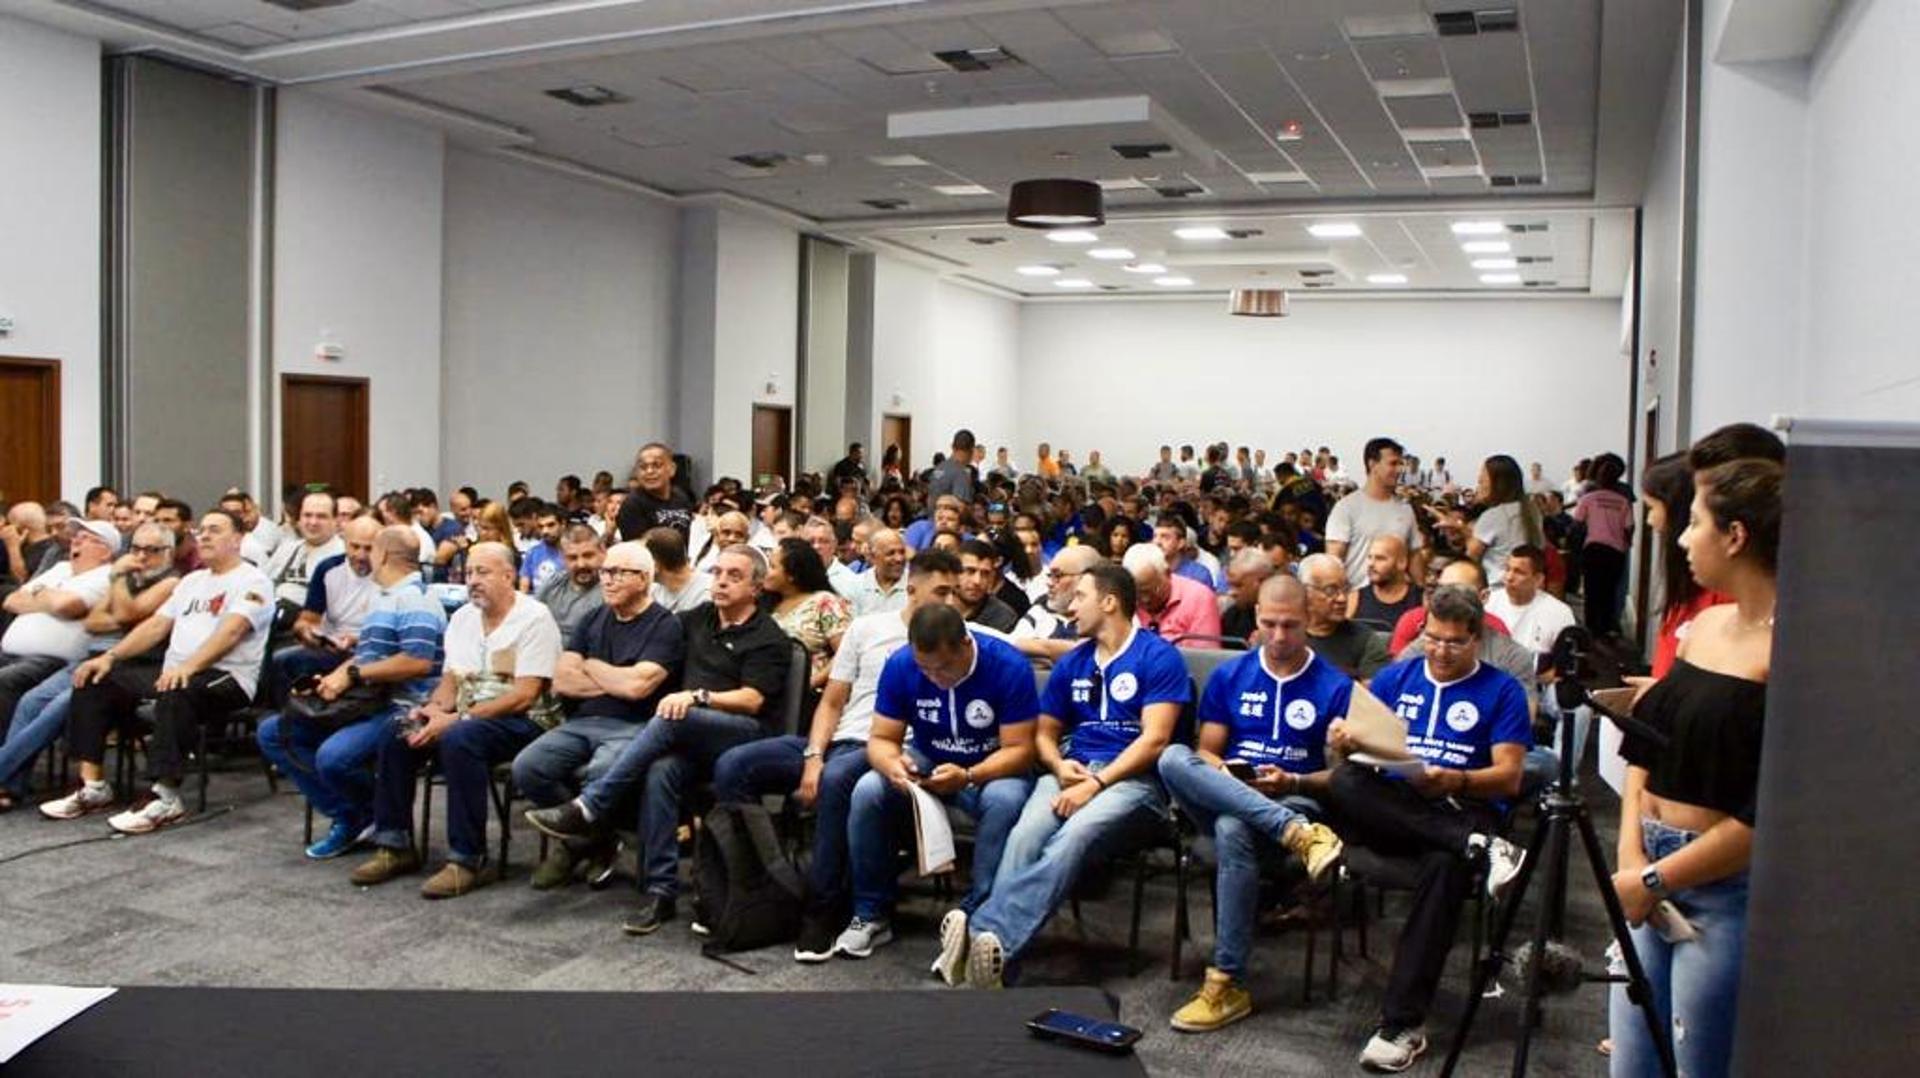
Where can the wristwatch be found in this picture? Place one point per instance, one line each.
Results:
(1650, 879)
(809, 753)
(353, 675)
(701, 697)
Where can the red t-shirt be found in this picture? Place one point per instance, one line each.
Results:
(1414, 620)
(1673, 628)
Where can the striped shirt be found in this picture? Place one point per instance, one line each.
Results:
(405, 620)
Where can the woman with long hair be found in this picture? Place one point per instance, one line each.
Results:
(1507, 517)
(803, 603)
(896, 513)
(1608, 514)
(491, 524)
(1667, 487)
(1120, 534)
(1688, 809)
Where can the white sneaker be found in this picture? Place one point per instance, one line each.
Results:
(862, 936)
(952, 963)
(81, 802)
(154, 815)
(1503, 864)
(986, 962)
(1393, 1054)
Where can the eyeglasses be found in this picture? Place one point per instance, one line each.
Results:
(1059, 575)
(141, 548)
(1331, 591)
(617, 572)
(1440, 644)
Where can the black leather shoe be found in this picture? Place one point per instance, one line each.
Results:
(652, 912)
(562, 821)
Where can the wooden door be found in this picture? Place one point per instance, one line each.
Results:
(323, 432)
(772, 444)
(29, 429)
(896, 430)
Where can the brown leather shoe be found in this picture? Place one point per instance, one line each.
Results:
(455, 879)
(384, 865)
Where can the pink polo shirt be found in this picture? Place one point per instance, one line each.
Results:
(1192, 607)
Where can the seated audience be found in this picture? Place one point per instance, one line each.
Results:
(1168, 605)
(1170, 535)
(339, 593)
(1246, 572)
(979, 579)
(1390, 592)
(677, 585)
(820, 534)
(1496, 647)
(883, 586)
(262, 536)
(948, 514)
(1533, 617)
(1359, 651)
(1267, 710)
(655, 500)
(574, 593)
(293, 563)
(730, 528)
(28, 542)
(543, 560)
(100, 502)
(1046, 631)
(177, 516)
(492, 700)
(805, 606)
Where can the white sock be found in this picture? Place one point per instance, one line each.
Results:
(584, 810)
(98, 786)
(166, 793)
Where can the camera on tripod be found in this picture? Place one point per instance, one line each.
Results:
(1572, 666)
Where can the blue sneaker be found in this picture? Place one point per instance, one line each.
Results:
(341, 838)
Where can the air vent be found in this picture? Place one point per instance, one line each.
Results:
(1142, 151)
(765, 162)
(1493, 121)
(986, 241)
(885, 203)
(1179, 190)
(1312, 273)
(1109, 288)
(982, 59)
(1243, 233)
(1533, 260)
(1317, 284)
(1528, 180)
(1537, 226)
(588, 96)
(1504, 20)
(1540, 284)
(308, 5)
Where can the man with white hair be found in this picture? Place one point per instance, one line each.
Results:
(1170, 605)
(49, 627)
(826, 543)
(1359, 651)
(617, 664)
(1249, 569)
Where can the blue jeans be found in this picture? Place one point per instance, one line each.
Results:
(1045, 853)
(289, 665)
(466, 753)
(1696, 986)
(570, 755)
(38, 718)
(668, 756)
(873, 839)
(774, 765)
(332, 767)
(1244, 825)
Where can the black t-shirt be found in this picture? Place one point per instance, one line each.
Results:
(1237, 622)
(996, 615)
(847, 469)
(654, 636)
(1014, 596)
(1358, 651)
(642, 512)
(753, 654)
(1388, 614)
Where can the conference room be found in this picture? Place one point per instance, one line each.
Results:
(1190, 537)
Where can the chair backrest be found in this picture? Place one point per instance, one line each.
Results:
(793, 707)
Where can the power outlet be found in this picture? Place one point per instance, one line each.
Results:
(6, 325)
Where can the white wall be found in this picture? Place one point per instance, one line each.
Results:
(1662, 219)
(50, 225)
(559, 324)
(949, 357)
(756, 332)
(357, 246)
(1462, 379)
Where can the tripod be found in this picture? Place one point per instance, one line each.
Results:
(1564, 812)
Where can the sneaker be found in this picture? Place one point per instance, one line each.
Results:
(384, 865)
(951, 965)
(150, 817)
(862, 936)
(818, 941)
(1503, 864)
(1317, 846)
(1220, 1002)
(341, 838)
(986, 962)
(83, 801)
(1393, 1051)
(455, 879)
(555, 870)
(653, 911)
(699, 929)
(563, 821)
(600, 861)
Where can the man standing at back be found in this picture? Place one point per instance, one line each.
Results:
(655, 501)
(954, 476)
(1373, 511)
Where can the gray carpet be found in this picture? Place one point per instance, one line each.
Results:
(230, 900)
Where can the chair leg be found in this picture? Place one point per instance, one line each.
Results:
(1360, 904)
(1180, 923)
(205, 775)
(309, 823)
(1306, 979)
(426, 813)
(1134, 965)
(503, 805)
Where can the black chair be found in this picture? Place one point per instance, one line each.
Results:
(1366, 869)
(500, 790)
(236, 728)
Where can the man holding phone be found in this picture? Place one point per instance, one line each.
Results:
(968, 700)
(1253, 784)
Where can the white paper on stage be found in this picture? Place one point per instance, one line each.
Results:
(29, 1012)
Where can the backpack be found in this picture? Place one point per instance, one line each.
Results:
(748, 892)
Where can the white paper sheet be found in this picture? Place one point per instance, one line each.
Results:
(29, 1012)
(932, 834)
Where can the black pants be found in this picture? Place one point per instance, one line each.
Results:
(1389, 818)
(1605, 567)
(110, 703)
(18, 674)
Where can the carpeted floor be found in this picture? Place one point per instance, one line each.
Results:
(229, 900)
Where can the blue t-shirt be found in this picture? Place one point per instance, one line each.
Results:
(1100, 706)
(1274, 720)
(1456, 724)
(960, 725)
(541, 562)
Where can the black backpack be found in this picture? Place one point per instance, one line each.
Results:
(748, 892)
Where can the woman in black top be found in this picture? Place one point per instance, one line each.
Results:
(1687, 814)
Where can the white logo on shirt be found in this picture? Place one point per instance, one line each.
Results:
(1462, 716)
(979, 714)
(1123, 687)
(1301, 714)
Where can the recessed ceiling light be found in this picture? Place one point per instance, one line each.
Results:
(1334, 230)
(1386, 278)
(1486, 247)
(1494, 263)
(1082, 282)
(1201, 232)
(897, 160)
(1499, 278)
(1039, 271)
(958, 189)
(1111, 254)
(1073, 235)
(1145, 267)
(1478, 228)
(1173, 282)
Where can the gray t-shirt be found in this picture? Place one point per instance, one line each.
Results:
(568, 604)
(951, 478)
(1357, 520)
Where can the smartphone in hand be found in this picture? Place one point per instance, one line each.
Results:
(1242, 770)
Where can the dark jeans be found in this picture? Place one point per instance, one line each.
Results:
(1606, 570)
(211, 695)
(289, 665)
(1389, 818)
(18, 674)
(774, 765)
(668, 756)
(466, 753)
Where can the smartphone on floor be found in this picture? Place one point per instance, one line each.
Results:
(1077, 1029)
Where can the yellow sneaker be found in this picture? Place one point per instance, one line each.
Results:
(1316, 844)
(1220, 1002)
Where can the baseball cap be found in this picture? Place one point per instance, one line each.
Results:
(106, 532)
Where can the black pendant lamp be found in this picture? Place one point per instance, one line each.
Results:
(1056, 204)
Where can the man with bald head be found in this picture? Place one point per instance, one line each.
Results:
(1046, 631)
(27, 542)
(1254, 782)
(728, 529)
(491, 701)
(883, 586)
(397, 649)
(1358, 651)
(1246, 572)
(1389, 591)
(339, 593)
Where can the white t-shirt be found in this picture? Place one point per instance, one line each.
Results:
(49, 634)
(203, 599)
(691, 594)
(291, 567)
(1537, 624)
(258, 545)
(863, 654)
(1358, 519)
(1502, 528)
(428, 548)
(526, 643)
